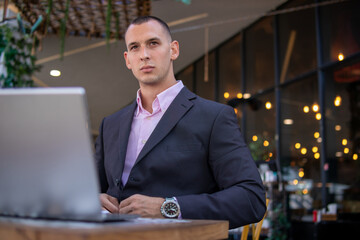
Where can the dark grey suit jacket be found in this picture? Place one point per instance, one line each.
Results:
(196, 153)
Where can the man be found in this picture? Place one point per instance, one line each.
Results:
(172, 153)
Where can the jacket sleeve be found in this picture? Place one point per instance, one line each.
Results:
(241, 198)
(99, 158)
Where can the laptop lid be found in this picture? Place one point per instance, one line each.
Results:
(47, 167)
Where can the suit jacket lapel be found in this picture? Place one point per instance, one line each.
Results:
(173, 114)
(125, 122)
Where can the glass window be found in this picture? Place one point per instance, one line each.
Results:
(259, 51)
(340, 30)
(297, 41)
(230, 70)
(260, 126)
(187, 77)
(206, 87)
(343, 136)
(300, 143)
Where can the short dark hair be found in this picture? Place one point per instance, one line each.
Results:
(144, 19)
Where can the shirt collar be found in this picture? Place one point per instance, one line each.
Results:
(162, 100)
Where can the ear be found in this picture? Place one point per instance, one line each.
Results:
(128, 65)
(174, 50)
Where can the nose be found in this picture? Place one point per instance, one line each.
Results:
(144, 55)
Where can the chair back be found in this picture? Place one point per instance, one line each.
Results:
(255, 227)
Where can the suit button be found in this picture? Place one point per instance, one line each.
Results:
(117, 182)
(132, 179)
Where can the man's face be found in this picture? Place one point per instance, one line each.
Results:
(150, 53)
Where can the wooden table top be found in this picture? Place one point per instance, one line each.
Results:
(142, 228)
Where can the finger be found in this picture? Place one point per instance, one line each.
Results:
(109, 203)
(127, 201)
(126, 210)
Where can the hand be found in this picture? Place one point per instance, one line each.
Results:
(109, 203)
(142, 205)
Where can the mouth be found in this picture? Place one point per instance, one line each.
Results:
(147, 68)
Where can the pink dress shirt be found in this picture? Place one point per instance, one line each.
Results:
(144, 123)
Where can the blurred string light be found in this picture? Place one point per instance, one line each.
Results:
(306, 109)
(239, 95)
(315, 107)
(305, 191)
(317, 155)
(235, 110)
(297, 145)
(295, 181)
(318, 116)
(346, 150)
(246, 95)
(226, 95)
(270, 154)
(268, 105)
(355, 156)
(315, 149)
(337, 101)
(266, 143)
(338, 154)
(344, 142)
(288, 121)
(316, 134)
(254, 138)
(337, 128)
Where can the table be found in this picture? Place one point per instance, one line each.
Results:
(30, 229)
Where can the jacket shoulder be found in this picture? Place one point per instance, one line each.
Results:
(129, 109)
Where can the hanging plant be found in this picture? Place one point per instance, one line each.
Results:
(17, 61)
(63, 29)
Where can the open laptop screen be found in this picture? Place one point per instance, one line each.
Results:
(46, 158)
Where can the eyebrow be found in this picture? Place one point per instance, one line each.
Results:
(149, 40)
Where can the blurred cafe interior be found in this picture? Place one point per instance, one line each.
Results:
(289, 68)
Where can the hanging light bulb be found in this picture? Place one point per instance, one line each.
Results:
(315, 107)
(318, 116)
(337, 101)
(316, 134)
(341, 56)
(306, 109)
(303, 151)
(268, 105)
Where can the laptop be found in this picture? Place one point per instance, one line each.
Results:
(47, 166)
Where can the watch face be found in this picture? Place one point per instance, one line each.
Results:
(171, 209)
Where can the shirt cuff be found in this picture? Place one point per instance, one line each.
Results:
(179, 217)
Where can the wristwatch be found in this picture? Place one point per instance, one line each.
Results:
(170, 208)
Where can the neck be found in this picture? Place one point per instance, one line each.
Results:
(149, 93)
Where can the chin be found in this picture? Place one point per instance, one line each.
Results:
(149, 80)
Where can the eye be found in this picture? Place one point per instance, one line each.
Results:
(133, 47)
(153, 43)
